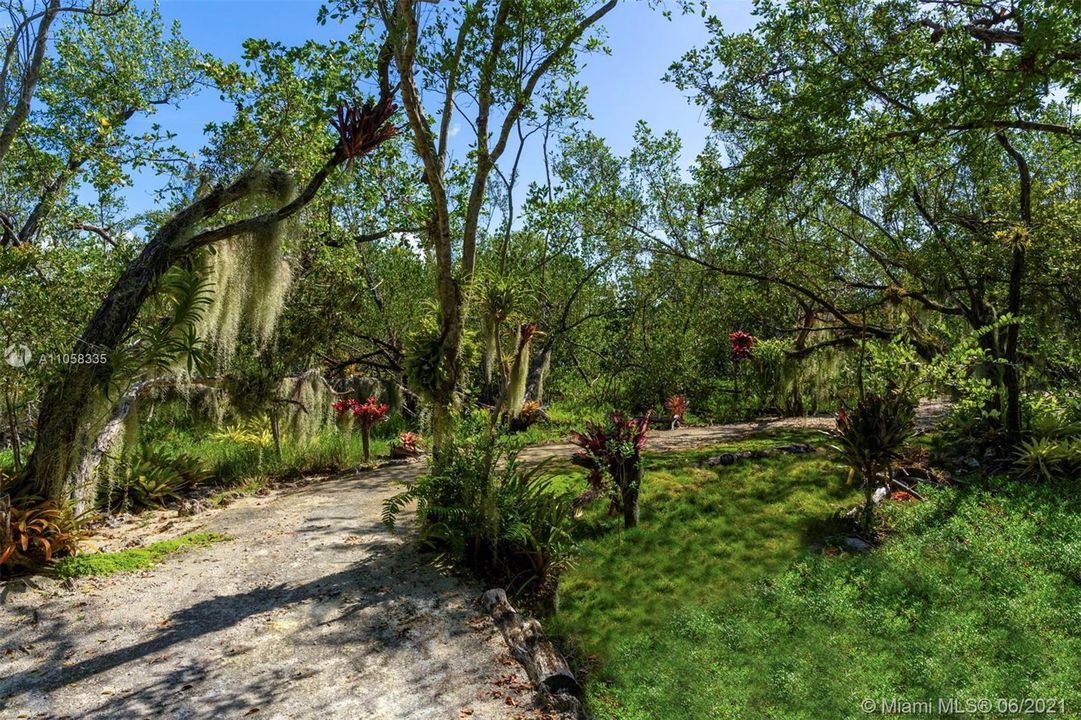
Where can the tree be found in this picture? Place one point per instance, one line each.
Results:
(26, 42)
(66, 404)
(823, 103)
(105, 69)
(496, 55)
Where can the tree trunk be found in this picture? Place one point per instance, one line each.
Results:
(546, 667)
(630, 507)
(84, 483)
(66, 403)
(538, 369)
(628, 478)
(1013, 304)
(868, 500)
(364, 441)
(13, 431)
(276, 431)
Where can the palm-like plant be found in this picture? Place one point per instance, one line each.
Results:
(33, 531)
(870, 438)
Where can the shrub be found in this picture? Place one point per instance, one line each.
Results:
(870, 438)
(34, 531)
(478, 505)
(152, 479)
(406, 446)
(1044, 458)
(611, 451)
(677, 407)
(251, 432)
(529, 415)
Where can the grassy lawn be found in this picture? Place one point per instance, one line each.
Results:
(732, 600)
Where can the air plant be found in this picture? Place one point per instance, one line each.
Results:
(363, 128)
(677, 407)
(531, 413)
(742, 344)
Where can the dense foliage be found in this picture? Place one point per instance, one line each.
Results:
(885, 212)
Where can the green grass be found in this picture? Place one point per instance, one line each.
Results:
(236, 464)
(141, 558)
(718, 607)
(704, 534)
(562, 419)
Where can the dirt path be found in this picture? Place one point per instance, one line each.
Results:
(313, 610)
(686, 438)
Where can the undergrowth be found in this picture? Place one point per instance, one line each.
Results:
(134, 559)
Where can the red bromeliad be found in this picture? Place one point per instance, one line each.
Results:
(742, 344)
(367, 414)
(406, 446)
(340, 406)
(676, 405)
(410, 441)
(614, 446)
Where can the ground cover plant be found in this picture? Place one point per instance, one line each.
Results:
(133, 559)
(762, 608)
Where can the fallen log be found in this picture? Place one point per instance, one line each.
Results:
(732, 457)
(547, 669)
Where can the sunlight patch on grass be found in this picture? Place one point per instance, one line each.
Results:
(134, 559)
(705, 534)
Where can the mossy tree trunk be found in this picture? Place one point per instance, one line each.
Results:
(868, 500)
(13, 428)
(66, 405)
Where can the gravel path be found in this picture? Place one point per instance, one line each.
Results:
(314, 609)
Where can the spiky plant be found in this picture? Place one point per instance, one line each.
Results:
(677, 406)
(869, 438)
(611, 451)
(367, 414)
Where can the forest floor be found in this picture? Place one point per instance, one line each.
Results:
(312, 609)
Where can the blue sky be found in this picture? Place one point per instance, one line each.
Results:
(625, 87)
